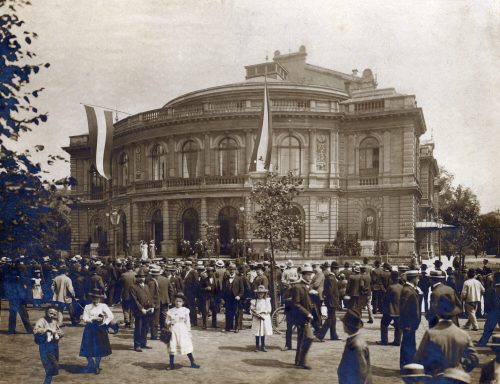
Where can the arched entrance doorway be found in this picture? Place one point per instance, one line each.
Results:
(157, 229)
(190, 225)
(228, 220)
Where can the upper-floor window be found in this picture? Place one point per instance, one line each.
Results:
(158, 171)
(369, 157)
(289, 156)
(190, 159)
(96, 185)
(228, 157)
(124, 170)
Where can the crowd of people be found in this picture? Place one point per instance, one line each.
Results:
(161, 299)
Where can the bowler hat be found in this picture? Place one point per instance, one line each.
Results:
(394, 275)
(335, 264)
(438, 263)
(352, 319)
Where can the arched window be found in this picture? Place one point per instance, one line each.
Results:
(228, 157)
(228, 224)
(124, 170)
(289, 156)
(189, 159)
(190, 225)
(96, 187)
(369, 157)
(157, 162)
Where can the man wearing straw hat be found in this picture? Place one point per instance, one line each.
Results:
(415, 374)
(439, 289)
(302, 313)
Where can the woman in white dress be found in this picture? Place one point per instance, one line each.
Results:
(179, 324)
(260, 307)
(95, 341)
(144, 250)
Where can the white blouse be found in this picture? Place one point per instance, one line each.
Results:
(92, 312)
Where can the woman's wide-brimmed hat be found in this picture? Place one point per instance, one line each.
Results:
(96, 292)
(261, 289)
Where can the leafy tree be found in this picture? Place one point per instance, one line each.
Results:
(27, 201)
(459, 207)
(490, 233)
(273, 219)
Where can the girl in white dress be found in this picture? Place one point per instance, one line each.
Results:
(261, 317)
(179, 324)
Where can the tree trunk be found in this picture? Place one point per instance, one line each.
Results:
(272, 287)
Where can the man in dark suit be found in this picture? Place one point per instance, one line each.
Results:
(439, 289)
(331, 301)
(409, 310)
(378, 288)
(493, 314)
(302, 313)
(390, 311)
(424, 283)
(233, 290)
(208, 286)
(354, 287)
(190, 291)
(488, 373)
(153, 284)
(142, 308)
(127, 279)
(354, 366)
(446, 345)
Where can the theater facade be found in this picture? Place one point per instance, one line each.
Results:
(356, 146)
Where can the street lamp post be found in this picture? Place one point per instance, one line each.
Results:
(114, 217)
(439, 225)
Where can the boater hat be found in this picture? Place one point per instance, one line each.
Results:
(96, 292)
(261, 289)
(219, 263)
(414, 370)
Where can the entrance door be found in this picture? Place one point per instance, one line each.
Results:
(190, 226)
(157, 229)
(228, 219)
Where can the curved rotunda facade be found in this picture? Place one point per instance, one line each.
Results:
(356, 147)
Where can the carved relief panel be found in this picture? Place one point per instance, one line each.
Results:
(321, 152)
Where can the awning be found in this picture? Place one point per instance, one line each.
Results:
(432, 226)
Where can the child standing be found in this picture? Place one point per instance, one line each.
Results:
(36, 290)
(260, 308)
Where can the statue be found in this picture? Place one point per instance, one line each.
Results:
(370, 227)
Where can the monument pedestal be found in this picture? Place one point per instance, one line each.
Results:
(367, 248)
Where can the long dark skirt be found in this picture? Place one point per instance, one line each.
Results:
(49, 354)
(95, 341)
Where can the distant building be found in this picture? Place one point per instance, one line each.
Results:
(356, 146)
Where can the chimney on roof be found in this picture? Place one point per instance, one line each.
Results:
(355, 72)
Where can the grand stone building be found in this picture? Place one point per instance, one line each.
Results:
(356, 146)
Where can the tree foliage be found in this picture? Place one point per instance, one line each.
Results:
(274, 219)
(30, 206)
(459, 207)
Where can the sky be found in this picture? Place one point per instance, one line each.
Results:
(136, 55)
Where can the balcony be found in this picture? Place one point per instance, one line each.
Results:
(368, 181)
(182, 183)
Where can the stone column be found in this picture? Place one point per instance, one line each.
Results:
(207, 155)
(312, 151)
(203, 217)
(166, 228)
(248, 149)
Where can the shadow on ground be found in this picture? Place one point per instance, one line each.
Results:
(267, 363)
(73, 368)
(151, 366)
